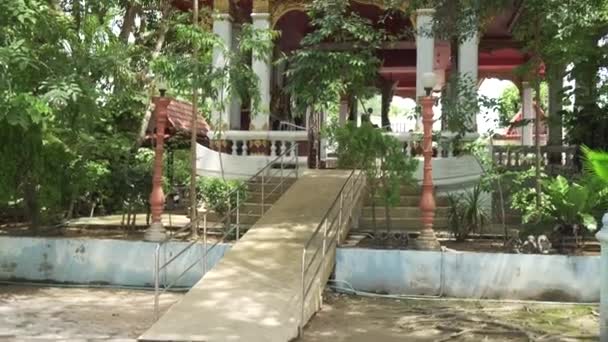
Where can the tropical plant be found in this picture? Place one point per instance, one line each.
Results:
(467, 213)
(596, 163)
(563, 202)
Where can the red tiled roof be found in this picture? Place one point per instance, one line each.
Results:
(179, 117)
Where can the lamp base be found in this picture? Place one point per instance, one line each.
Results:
(427, 241)
(156, 232)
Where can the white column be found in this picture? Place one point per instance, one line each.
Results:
(527, 131)
(602, 236)
(235, 103)
(468, 59)
(222, 26)
(263, 70)
(343, 112)
(425, 50)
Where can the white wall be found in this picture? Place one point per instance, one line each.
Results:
(470, 275)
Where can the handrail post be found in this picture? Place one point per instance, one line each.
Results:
(229, 218)
(205, 242)
(156, 280)
(296, 153)
(301, 325)
(325, 235)
(262, 199)
(238, 216)
(340, 216)
(282, 162)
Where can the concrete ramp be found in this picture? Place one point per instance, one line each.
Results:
(253, 294)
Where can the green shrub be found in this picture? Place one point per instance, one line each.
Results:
(220, 195)
(380, 157)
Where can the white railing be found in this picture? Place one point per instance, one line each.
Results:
(515, 157)
(444, 143)
(241, 143)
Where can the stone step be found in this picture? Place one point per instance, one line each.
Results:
(410, 201)
(245, 218)
(218, 228)
(401, 212)
(253, 207)
(256, 197)
(274, 179)
(404, 224)
(268, 187)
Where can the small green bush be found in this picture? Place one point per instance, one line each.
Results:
(380, 156)
(220, 195)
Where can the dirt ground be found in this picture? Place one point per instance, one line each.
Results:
(366, 319)
(47, 313)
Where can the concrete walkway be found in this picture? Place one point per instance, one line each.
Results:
(253, 293)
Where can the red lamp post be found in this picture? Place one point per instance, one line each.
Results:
(427, 239)
(156, 231)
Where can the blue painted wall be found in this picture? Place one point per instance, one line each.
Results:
(470, 275)
(92, 261)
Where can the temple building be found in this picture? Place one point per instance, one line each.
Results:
(492, 53)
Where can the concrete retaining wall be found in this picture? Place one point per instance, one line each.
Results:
(470, 275)
(91, 261)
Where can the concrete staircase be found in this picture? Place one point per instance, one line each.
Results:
(251, 210)
(405, 216)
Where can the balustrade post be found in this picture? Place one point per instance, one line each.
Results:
(235, 147)
(273, 149)
(244, 149)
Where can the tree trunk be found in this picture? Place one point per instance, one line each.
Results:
(555, 75)
(70, 213)
(32, 205)
(161, 35)
(128, 20)
(387, 217)
(537, 143)
(353, 108)
(387, 97)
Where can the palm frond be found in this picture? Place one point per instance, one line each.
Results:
(596, 162)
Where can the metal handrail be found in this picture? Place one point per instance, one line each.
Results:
(291, 152)
(342, 209)
(284, 124)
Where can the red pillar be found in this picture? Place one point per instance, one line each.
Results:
(427, 239)
(156, 231)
